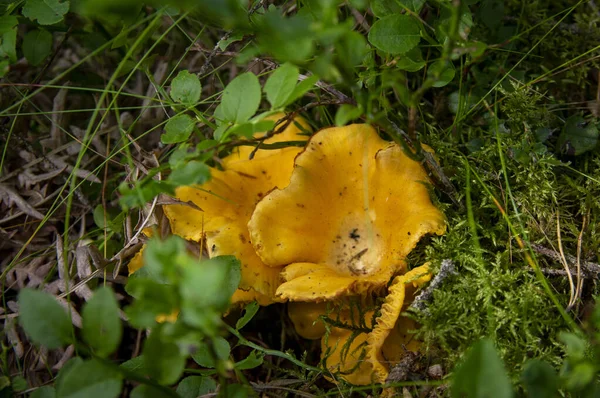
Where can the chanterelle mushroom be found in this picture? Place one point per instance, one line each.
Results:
(363, 357)
(227, 202)
(356, 205)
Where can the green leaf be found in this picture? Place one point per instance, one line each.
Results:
(8, 32)
(102, 327)
(575, 345)
(9, 45)
(352, 49)
(195, 386)
(241, 98)
(91, 379)
(395, 34)
(178, 129)
(412, 61)
(44, 392)
(210, 284)
(152, 299)
(383, 8)
(19, 383)
(134, 365)
(146, 391)
(577, 136)
(580, 376)
(71, 365)
(47, 12)
(445, 74)
(254, 360)
(346, 113)
(186, 88)
(224, 43)
(281, 84)
(249, 311)
(194, 172)
(44, 320)
(539, 379)
(204, 356)
(37, 45)
(162, 359)
(481, 374)
(237, 391)
(160, 255)
(302, 88)
(8, 23)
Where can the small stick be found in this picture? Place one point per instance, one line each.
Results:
(446, 269)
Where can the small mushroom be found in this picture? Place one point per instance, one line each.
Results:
(361, 357)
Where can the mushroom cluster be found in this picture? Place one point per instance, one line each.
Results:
(326, 228)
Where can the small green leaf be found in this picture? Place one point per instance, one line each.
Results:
(280, 85)
(204, 356)
(162, 359)
(539, 379)
(210, 283)
(8, 23)
(249, 311)
(224, 43)
(19, 383)
(152, 299)
(102, 327)
(575, 345)
(186, 88)
(395, 34)
(412, 61)
(8, 32)
(241, 98)
(37, 45)
(91, 379)
(346, 113)
(237, 391)
(196, 386)
(577, 136)
(254, 360)
(302, 88)
(134, 365)
(9, 45)
(44, 392)
(47, 12)
(44, 320)
(481, 374)
(383, 8)
(71, 365)
(178, 129)
(446, 73)
(194, 172)
(580, 376)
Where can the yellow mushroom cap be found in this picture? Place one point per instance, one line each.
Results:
(227, 201)
(356, 205)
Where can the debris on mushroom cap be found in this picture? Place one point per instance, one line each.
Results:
(362, 357)
(356, 205)
(227, 202)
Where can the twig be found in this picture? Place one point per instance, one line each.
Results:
(286, 121)
(588, 266)
(446, 269)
